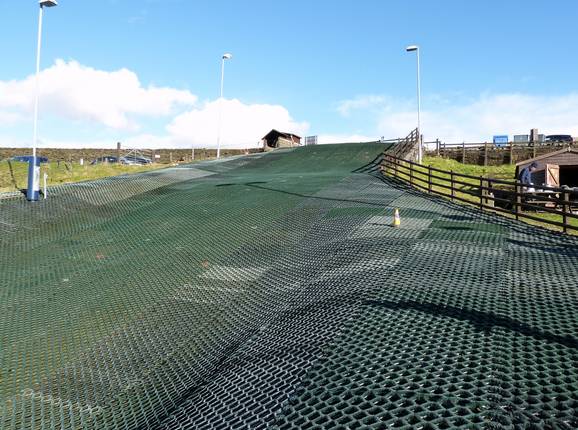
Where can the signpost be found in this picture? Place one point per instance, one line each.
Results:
(501, 140)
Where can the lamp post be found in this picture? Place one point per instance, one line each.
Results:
(34, 167)
(226, 56)
(420, 150)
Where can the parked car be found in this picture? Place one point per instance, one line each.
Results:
(134, 160)
(27, 158)
(106, 159)
(559, 138)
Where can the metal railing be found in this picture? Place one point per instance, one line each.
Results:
(548, 205)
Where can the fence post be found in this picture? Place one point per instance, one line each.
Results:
(429, 184)
(511, 152)
(410, 173)
(566, 211)
(485, 153)
(463, 152)
(438, 147)
(518, 205)
(452, 189)
(482, 193)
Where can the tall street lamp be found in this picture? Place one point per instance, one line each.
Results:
(34, 167)
(226, 56)
(416, 49)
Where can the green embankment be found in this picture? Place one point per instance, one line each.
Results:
(13, 174)
(504, 172)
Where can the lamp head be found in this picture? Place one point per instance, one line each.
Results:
(412, 48)
(48, 3)
(227, 56)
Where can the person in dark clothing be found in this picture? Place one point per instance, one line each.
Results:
(525, 177)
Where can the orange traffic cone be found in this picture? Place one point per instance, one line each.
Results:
(396, 218)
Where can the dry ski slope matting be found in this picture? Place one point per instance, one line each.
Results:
(271, 291)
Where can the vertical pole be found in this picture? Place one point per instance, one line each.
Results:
(33, 170)
(452, 188)
(463, 152)
(566, 211)
(438, 147)
(429, 184)
(482, 193)
(518, 205)
(220, 108)
(485, 153)
(45, 185)
(193, 153)
(37, 82)
(420, 154)
(511, 152)
(410, 172)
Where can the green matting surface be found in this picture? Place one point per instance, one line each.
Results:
(272, 291)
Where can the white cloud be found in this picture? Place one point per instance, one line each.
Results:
(118, 102)
(241, 124)
(73, 91)
(475, 120)
(364, 102)
(9, 118)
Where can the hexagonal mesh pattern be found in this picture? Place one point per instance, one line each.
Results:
(272, 291)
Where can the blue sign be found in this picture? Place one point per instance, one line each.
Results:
(501, 140)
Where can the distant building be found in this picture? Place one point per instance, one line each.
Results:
(310, 140)
(278, 139)
(554, 169)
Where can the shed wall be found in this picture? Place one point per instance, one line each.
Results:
(564, 159)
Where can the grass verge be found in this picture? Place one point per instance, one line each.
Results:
(14, 174)
(467, 188)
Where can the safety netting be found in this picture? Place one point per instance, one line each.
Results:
(272, 291)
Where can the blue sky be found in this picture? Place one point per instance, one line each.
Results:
(333, 68)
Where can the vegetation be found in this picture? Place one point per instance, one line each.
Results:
(505, 171)
(13, 174)
(468, 188)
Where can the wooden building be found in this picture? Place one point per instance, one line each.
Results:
(278, 139)
(555, 169)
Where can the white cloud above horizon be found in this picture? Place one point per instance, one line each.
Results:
(120, 105)
(241, 124)
(76, 92)
(474, 120)
(118, 102)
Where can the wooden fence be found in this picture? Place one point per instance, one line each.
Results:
(487, 153)
(545, 205)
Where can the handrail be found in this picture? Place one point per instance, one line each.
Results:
(497, 180)
(482, 192)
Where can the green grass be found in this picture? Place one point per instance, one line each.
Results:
(13, 175)
(503, 172)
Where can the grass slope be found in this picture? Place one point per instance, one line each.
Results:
(13, 174)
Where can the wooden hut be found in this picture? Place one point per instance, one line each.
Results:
(278, 139)
(555, 169)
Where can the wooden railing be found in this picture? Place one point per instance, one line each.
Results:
(407, 148)
(483, 152)
(545, 205)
